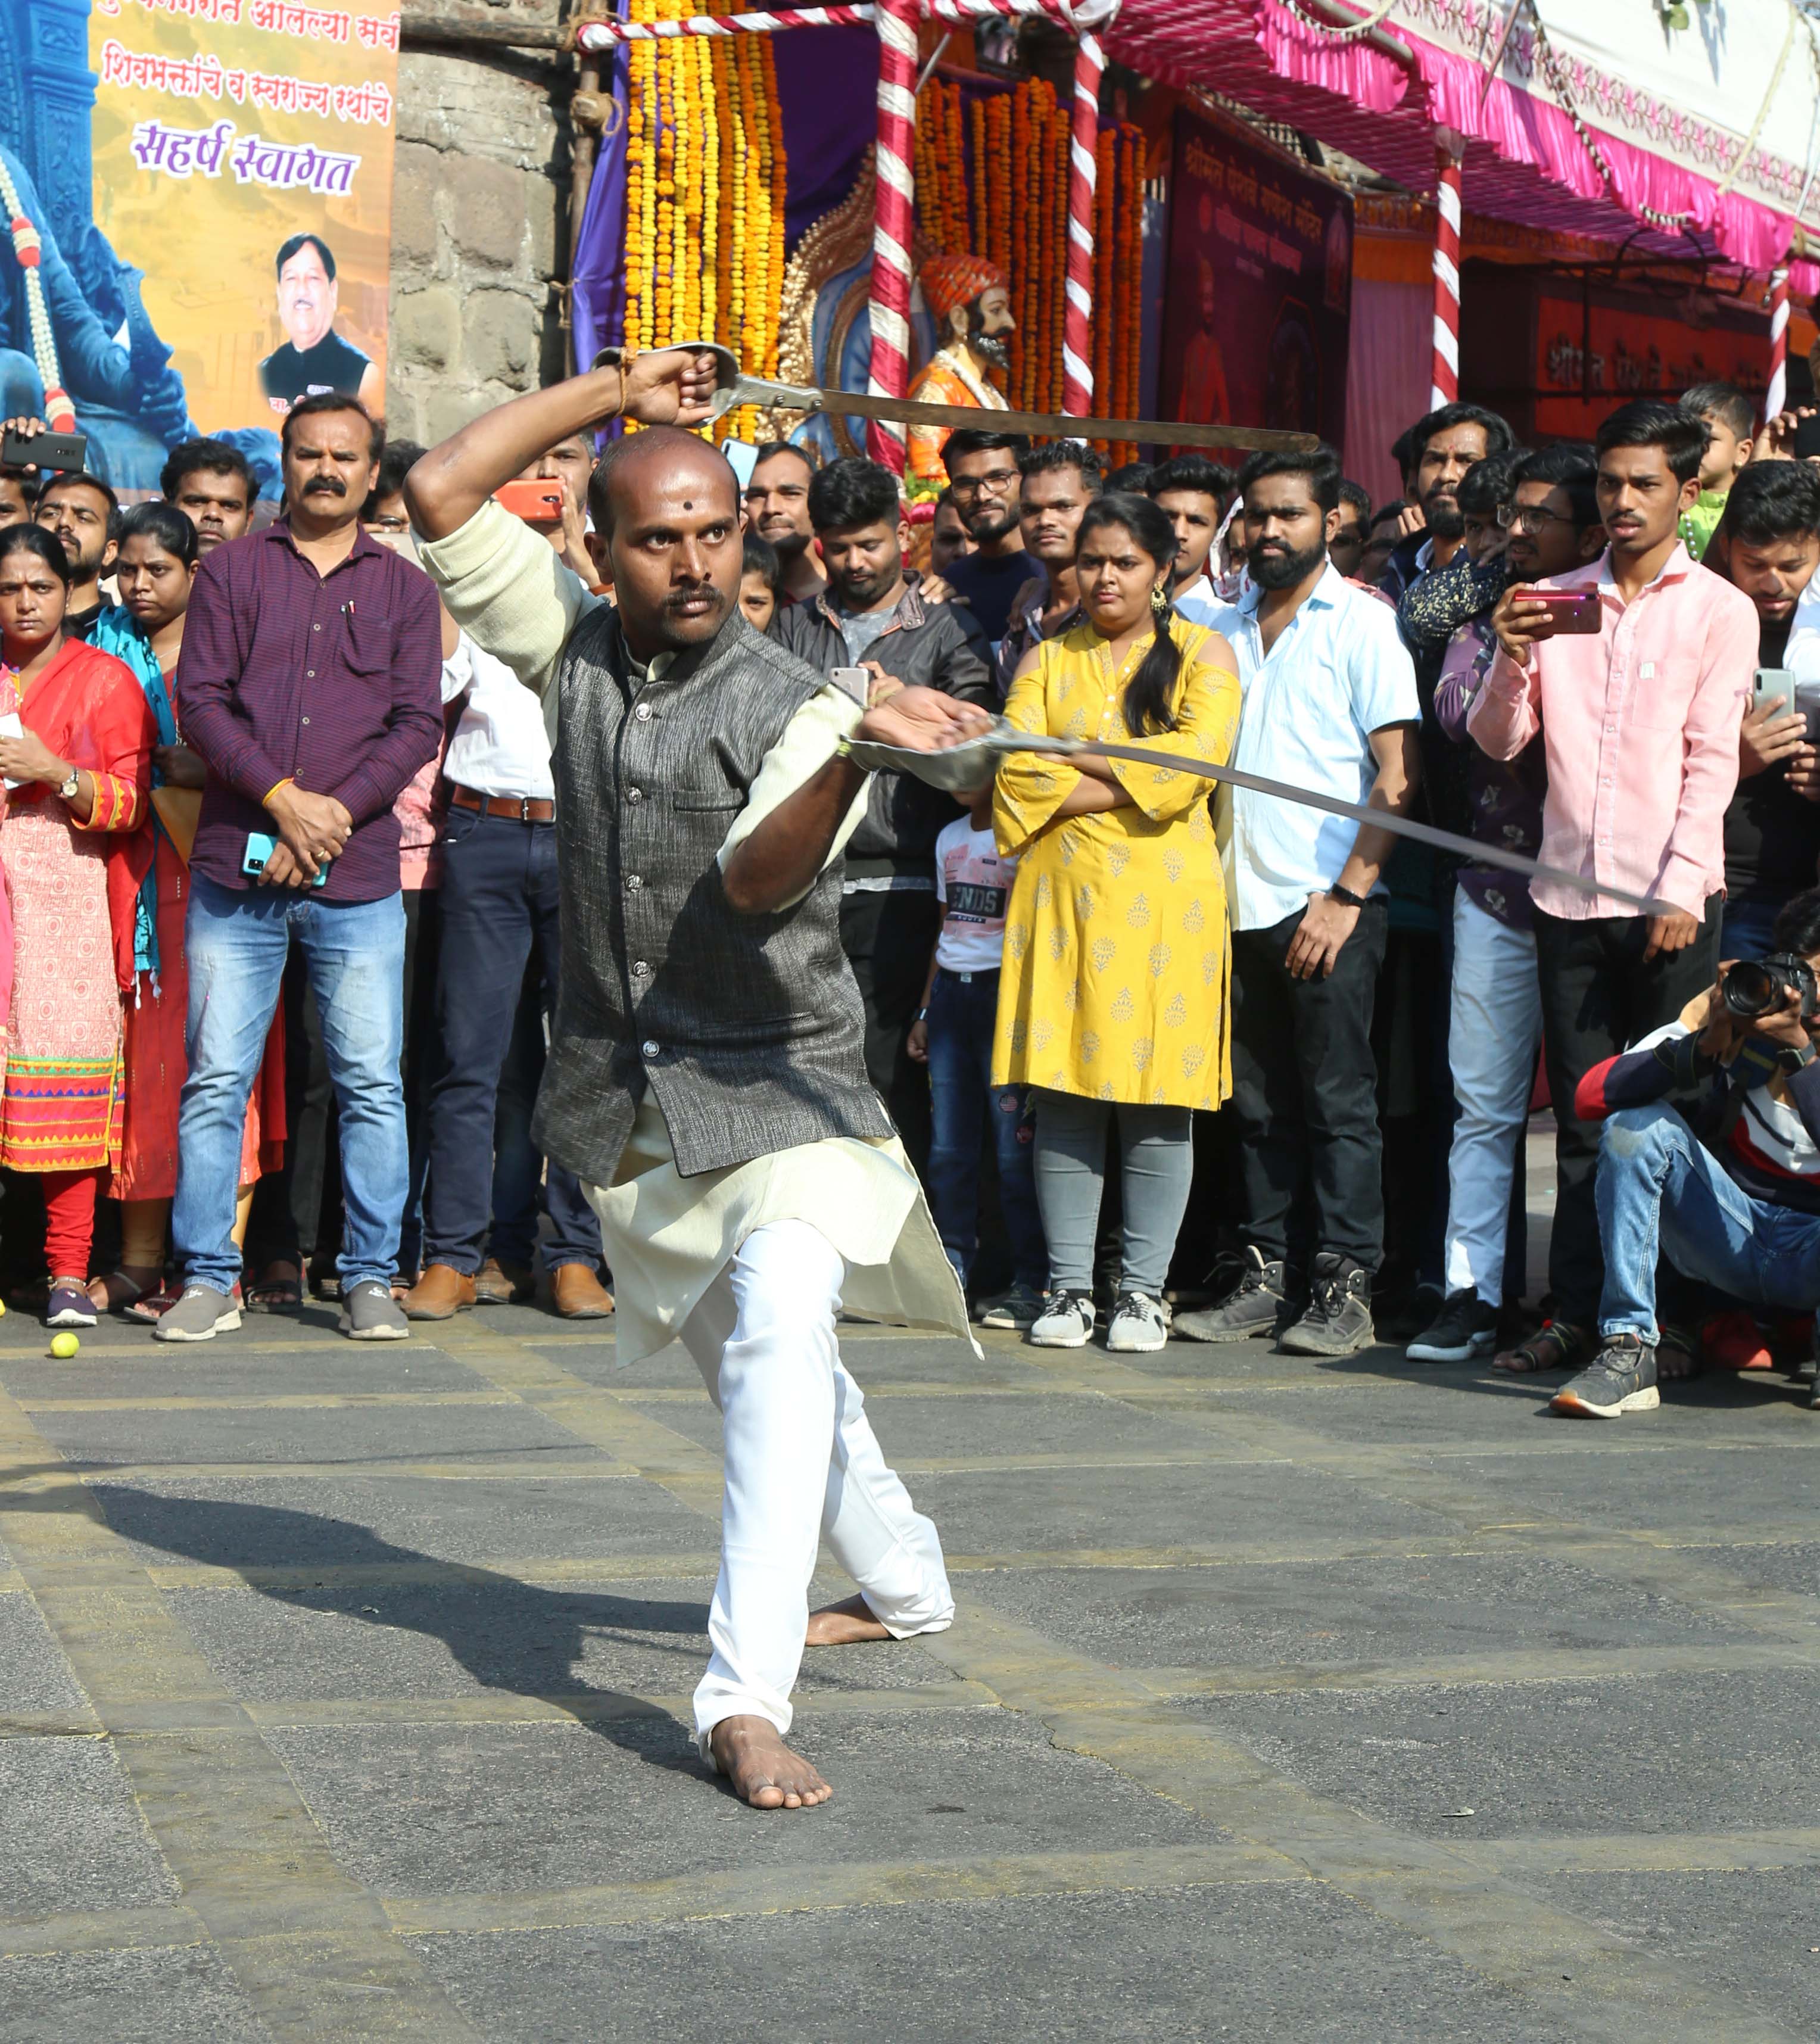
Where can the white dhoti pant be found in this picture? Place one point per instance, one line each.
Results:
(802, 1465)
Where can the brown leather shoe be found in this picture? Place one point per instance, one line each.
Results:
(578, 1294)
(498, 1283)
(440, 1294)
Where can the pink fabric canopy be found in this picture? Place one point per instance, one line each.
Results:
(1524, 162)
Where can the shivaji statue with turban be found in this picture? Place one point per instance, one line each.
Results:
(969, 300)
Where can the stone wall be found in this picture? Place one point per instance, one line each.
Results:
(479, 206)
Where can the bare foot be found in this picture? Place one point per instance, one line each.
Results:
(764, 1772)
(841, 1624)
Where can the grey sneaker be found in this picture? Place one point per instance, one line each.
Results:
(1066, 1321)
(1248, 1310)
(1620, 1379)
(1136, 1327)
(1337, 1321)
(1019, 1307)
(369, 1312)
(200, 1314)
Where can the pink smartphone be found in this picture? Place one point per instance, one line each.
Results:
(1578, 613)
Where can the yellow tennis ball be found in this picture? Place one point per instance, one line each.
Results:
(64, 1344)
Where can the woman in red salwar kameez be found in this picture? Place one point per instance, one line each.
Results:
(155, 568)
(76, 845)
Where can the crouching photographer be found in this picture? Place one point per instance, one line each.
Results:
(1709, 1156)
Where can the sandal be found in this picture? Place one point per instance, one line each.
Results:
(276, 1295)
(150, 1309)
(119, 1291)
(1556, 1345)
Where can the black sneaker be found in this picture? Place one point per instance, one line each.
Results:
(1337, 1321)
(1248, 1312)
(1620, 1379)
(1466, 1326)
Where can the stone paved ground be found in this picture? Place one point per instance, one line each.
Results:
(340, 1691)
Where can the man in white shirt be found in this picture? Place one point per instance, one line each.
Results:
(1192, 494)
(1331, 706)
(499, 906)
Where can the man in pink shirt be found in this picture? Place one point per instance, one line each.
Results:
(1640, 725)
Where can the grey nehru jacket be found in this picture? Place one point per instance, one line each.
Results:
(749, 1030)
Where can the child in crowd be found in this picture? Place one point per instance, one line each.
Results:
(1730, 419)
(761, 582)
(952, 1035)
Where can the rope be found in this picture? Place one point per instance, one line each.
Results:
(1349, 35)
(1551, 65)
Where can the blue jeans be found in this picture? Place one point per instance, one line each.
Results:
(963, 1008)
(1660, 1191)
(236, 940)
(500, 908)
(1748, 928)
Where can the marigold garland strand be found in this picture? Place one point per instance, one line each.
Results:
(705, 218)
(705, 184)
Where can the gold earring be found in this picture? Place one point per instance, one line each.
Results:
(1159, 600)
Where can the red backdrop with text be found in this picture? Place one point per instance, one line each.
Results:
(1259, 292)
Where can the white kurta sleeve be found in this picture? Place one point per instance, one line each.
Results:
(504, 587)
(807, 745)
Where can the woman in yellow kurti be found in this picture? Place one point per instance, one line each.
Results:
(1113, 994)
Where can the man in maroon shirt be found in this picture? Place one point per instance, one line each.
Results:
(310, 684)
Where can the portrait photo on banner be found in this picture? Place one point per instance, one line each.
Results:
(205, 190)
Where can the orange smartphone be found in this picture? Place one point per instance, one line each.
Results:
(1578, 613)
(538, 502)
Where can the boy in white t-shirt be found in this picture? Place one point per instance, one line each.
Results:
(953, 1033)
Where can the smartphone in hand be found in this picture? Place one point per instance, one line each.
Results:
(1578, 612)
(64, 454)
(538, 502)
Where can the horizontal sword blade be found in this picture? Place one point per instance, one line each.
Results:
(1447, 841)
(1152, 432)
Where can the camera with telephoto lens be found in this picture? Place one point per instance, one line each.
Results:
(1756, 987)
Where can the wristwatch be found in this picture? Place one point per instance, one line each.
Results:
(922, 1015)
(1336, 892)
(68, 790)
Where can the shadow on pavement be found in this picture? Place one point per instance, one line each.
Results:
(510, 1636)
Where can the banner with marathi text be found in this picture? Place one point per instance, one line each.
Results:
(214, 180)
(1259, 294)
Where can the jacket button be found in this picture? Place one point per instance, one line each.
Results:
(635, 794)
(634, 881)
(649, 1049)
(640, 969)
(642, 712)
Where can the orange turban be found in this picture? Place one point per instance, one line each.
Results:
(948, 280)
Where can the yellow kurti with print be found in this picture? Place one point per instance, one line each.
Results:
(1117, 950)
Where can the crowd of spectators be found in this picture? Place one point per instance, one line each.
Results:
(280, 939)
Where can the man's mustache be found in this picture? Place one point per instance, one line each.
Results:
(325, 486)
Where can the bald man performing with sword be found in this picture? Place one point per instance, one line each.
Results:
(706, 1081)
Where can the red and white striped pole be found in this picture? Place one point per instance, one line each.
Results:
(889, 306)
(596, 35)
(1776, 391)
(1083, 161)
(1448, 148)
